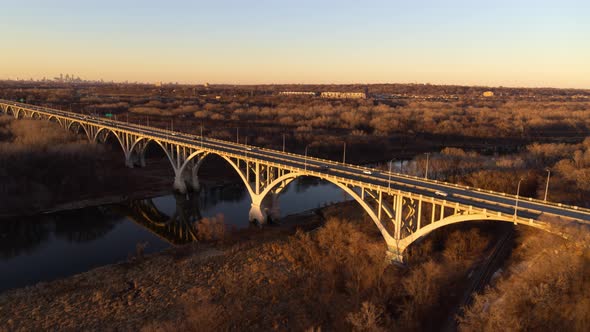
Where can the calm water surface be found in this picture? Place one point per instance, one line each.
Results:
(51, 246)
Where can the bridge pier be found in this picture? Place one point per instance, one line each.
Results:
(129, 161)
(258, 214)
(195, 185)
(186, 179)
(141, 160)
(394, 255)
(180, 184)
(263, 209)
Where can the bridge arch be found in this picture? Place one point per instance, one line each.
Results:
(54, 119)
(79, 124)
(294, 175)
(146, 141)
(455, 219)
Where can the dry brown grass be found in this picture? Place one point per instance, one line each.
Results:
(546, 289)
(333, 279)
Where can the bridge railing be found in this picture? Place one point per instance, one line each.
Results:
(326, 161)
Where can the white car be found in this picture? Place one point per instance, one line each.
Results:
(441, 193)
(367, 172)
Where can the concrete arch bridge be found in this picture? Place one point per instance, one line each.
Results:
(404, 208)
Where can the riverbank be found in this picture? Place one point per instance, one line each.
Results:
(126, 295)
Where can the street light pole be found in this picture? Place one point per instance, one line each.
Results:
(389, 180)
(201, 134)
(547, 185)
(427, 159)
(306, 157)
(171, 124)
(238, 135)
(516, 203)
(283, 142)
(344, 154)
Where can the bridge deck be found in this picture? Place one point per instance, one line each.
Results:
(528, 208)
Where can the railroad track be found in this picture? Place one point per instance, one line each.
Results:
(482, 275)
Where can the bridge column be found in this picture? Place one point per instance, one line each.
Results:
(258, 214)
(180, 183)
(185, 171)
(263, 209)
(395, 255)
(195, 185)
(129, 160)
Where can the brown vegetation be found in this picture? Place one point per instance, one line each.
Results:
(333, 279)
(41, 164)
(569, 165)
(396, 119)
(545, 289)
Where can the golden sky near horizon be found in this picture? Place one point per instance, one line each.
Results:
(269, 42)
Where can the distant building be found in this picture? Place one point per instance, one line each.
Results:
(158, 84)
(343, 95)
(488, 94)
(297, 93)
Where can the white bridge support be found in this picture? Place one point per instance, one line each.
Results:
(401, 216)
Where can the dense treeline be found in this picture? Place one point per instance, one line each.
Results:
(41, 164)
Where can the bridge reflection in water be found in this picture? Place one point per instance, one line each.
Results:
(177, 224)
(179, 228)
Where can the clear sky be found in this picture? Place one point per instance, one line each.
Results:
(508, 43)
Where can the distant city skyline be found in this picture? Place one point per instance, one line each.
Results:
(502, 43)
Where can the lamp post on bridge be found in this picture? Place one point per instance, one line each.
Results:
(547, 185)
(305, 167)
(246, 146)
(389, 180)
(201, 134)
(283, 142)
(427, 159)
(516, 203)
(237, 135)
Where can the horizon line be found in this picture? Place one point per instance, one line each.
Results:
(107, 81)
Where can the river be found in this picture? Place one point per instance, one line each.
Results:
(52, 246)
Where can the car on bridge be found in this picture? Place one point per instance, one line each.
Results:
(441, 193)
(367, 172)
